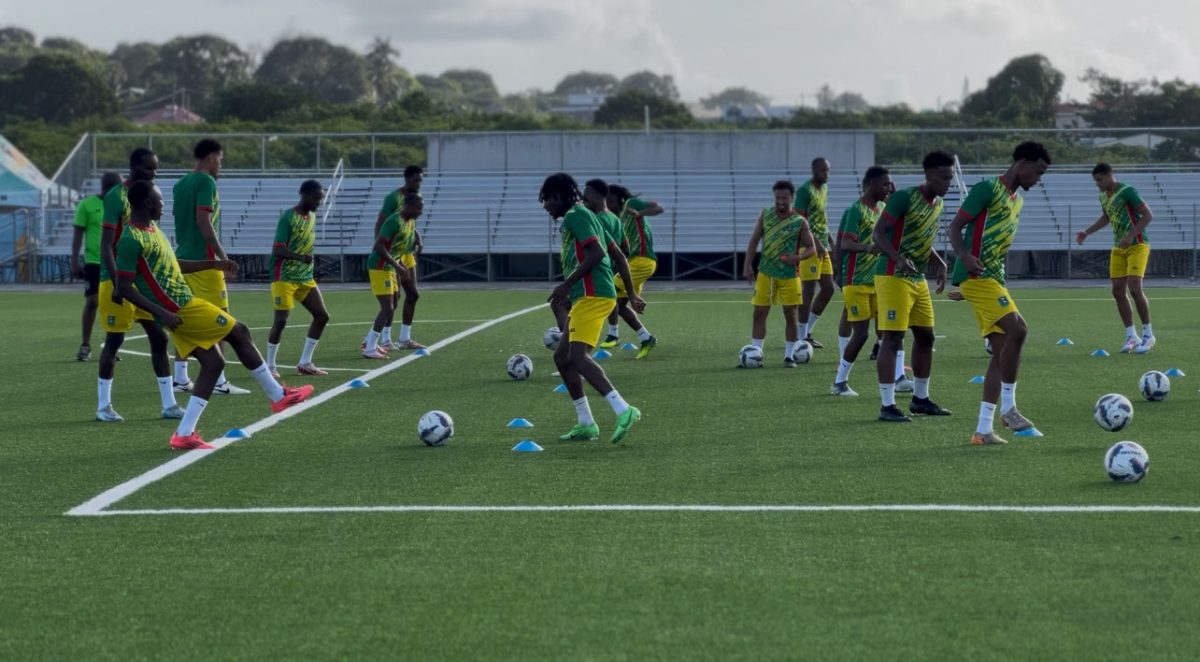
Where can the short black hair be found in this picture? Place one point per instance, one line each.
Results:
(562, 186)
(1031, 151)
(310, 185)
(874, 173)
(412, 199)
(784, 184)
(205, 147)
(139, 192)
(621, 192)
(1102, 169)
(411, 170)
(937, 159)
(138, 155)
(818, 160)
(109, 180)
(598, 185)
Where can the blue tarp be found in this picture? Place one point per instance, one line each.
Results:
(21, 183)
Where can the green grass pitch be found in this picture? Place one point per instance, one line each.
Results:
(603, 585)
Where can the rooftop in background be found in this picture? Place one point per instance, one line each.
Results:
(171, 114)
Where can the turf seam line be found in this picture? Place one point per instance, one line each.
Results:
(98, 503)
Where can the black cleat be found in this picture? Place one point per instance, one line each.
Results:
(875, 351)
(927, 407)
(84, 353)
(815, 344)
(892, 414)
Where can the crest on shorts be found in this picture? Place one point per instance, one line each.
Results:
(222, 320)
(224, 294)
(1003, 301)
(891, 314)
(112, 320)
(278, 301)
(853, 310)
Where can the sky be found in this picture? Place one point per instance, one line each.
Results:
(914, 51)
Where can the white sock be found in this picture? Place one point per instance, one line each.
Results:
(921, 388)
(385, 337)
(887, 394)
(272, 352)
(842, 342)
(181, 369)
(614, 330)
(1131, 332)
(643, 334)
(310, 346)
(222, 379)
(405, 332)
(104, 393)
(1147, 332)
(166, 392)
(191, 417)
(267, 383)
(899, 365)
(757, 342)
(843, 374)
(788, 347)
(618, 403)
(1008, 396)
(372, 340)
(583, 411)
(987, 413)
(812, 322)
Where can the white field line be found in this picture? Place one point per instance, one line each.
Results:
(1019, 300)
(657, 508)
(96, 504)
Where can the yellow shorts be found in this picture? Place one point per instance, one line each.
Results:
(860, 302)
(114, 318)
(640, 269)
(383, 282)
(902, 303)
(814, 267)
(285, 294)
(991, 302)
(1130, 261)
(587, 319)
(408, 260)
(209, 285)
(201, 325)
(770, 291)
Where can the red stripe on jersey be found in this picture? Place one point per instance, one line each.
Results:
(977, 236)
(589, 286)
(278, 268)
(163, 300)
(201, 208)
(853, 261)
(1133, 221)
(897, 234)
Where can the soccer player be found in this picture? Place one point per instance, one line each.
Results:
(981, 234)
(117, 314)
(858, 253)
(292, 278)
(1123, 208)
(414, 175)
(386, 265)
(151, 276)
(818, 269)
(197, 211)
(595, 197)
(637, 240)
(783, 232)
(905, 235)
(588, 286)
(89, 216)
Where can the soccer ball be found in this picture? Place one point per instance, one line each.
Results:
(802, 353)
(551, 338)
(1154, 386)
(520, 367)
(1126, 462)
(1113, 412)
(435, 428)
(750, 357)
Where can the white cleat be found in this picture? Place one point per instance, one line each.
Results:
(1130, 345)
(109, 415)
(904, 385)
(174, 411)
(229, 389)
(843, 389)
(1145, 346)
(182, 387)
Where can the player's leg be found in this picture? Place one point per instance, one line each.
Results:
(758, 325)
(240, 340)
(387, 307)
(588, 316)
(283, 295)
(1007, 356)
(1118, 269)
(90, 304)
(845, 330)
(314, 303)
(808, 291)
(922, 365)
(160, 361)
(585, 428)
(613, 337)
(791, 333)
(411, 295)
(857, 313)
(108, 368)
(885, 367)
(1134, 285)
(823, 296)
(211, 365)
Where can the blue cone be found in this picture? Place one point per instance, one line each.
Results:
(977, 379)
(629, 345)
(527, 446)
(520, 423)
(1100, 353)
(1175, 372)
(561, 388)
(1065, 341)
(237, 433)
(602, 354)
(421, 352)
(1031, 432)
(358, 383)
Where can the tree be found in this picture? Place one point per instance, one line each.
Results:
(256, 102)
(586, 82)
(441, 90)
(1113, 102)
(58, 87)
(389, 81)
(478, 89)
(17, 45)
(201, 64)
(131, 63)
(629, 107)
(850, 102)
(650, 83)
(1025, 91)
(327, 72)
(740, 96)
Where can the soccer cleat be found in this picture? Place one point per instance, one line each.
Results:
(1130, 345)
(624, 423)
(789, 362)
(582, 433)
(310, 370)
(1013, 420)
(192, 442)
(609, 342)
(927, 407)
(407, 344)
(989, 439)
(229, 389)
(378, 354)
(843, 389)
(84, 353)
(875, 351)
(1145, 346)
(647, 345)
(904, 385)
(275, 373)
(291, 396)
(182, 387)
(815, 344)
(108, 415)
(174, 411)
(892, 414)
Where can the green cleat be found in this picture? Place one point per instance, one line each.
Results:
(582, 433)
(647, 345)
(625, 422)
(609, 342)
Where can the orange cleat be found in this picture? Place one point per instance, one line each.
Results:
(292, 396)
(310, 370)
(192, 442)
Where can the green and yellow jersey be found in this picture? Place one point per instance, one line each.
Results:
(612, 228)
(1121, 208)
(297, 233)
(858, 223)
(780, 236)
(393, 201)
(995, 212)
(580, 227)
(399, 235)
(636, 229)
(115, 216)
(145, 255)
(195, 192)
(89, 215)
(915, 227)
(810, 202)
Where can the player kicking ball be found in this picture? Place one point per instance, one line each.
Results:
(588, 287)
(150, 276)
(292, 278)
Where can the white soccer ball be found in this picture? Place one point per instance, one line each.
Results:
(551, 338)
(803, 352)
(1154, 386)
(1113, 412)
(435, 428)
(520, 367)
(750, 357)
(1126, 462)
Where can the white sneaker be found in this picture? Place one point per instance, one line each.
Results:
(842, 389)
(376, 354)
(1145, 346)
(229, 389)
(904, 385)
(174, 411)
(182, 387)
(1130, 345)
(108, 415)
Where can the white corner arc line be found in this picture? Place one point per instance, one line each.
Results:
(98, 503)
